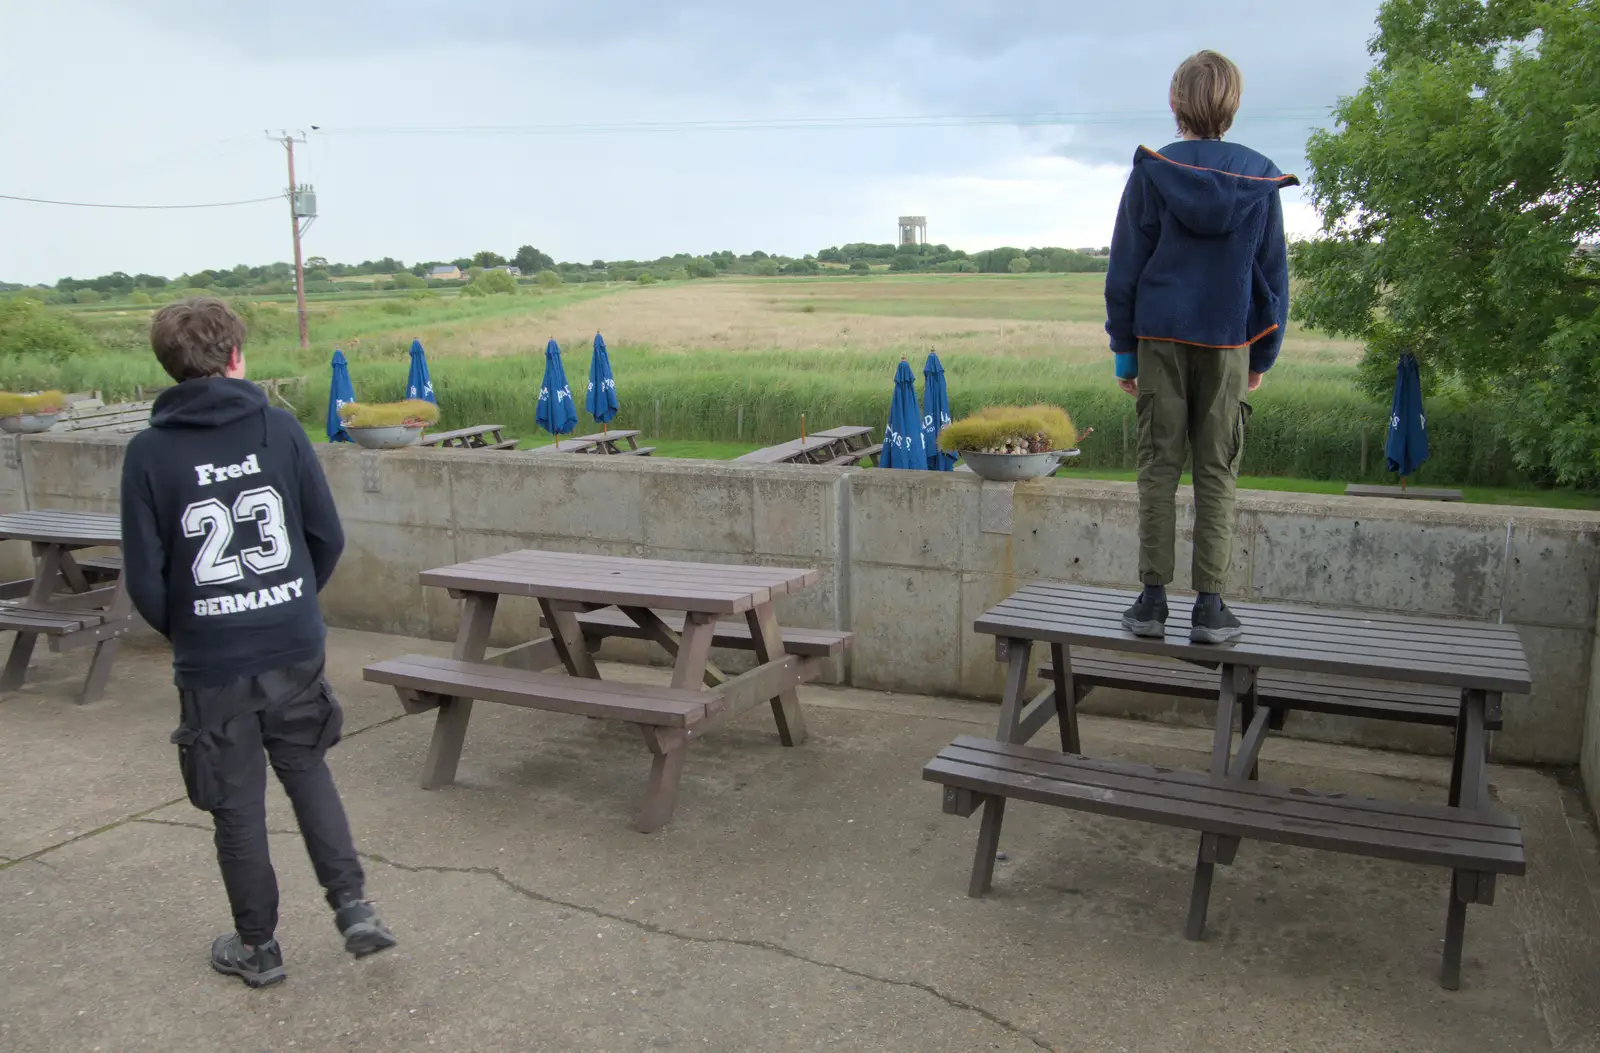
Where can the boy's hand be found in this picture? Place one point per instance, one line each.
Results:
(1131, 386)
(1254, 381)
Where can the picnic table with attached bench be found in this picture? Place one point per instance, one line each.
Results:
(610, 442)
(840, 447)
(585, 598)
(477, 437)
(73, 602)
(1331, 661)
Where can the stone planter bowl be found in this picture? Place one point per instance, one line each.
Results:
(29, 423)
(394, 437)
(1014, 467)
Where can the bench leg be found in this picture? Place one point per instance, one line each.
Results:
(667, 750)
(94, 685)
(1455, 934)
(1066, 699)
(450, 727)
(994, 812)
(768, 640)
(17, 664)
(46, 571)
(1200, 894)
(1458, 763)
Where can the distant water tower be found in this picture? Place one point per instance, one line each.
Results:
(913, 230)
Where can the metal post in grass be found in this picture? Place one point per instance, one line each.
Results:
(740, 432)
(658, 419)
(1124, 440)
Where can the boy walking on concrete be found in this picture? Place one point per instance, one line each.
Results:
(228, 534)
(1197, 297)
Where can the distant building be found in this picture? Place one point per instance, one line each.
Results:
(445, 272)
(913, 230)
(509, 268)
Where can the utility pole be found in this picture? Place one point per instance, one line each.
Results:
(302, 205)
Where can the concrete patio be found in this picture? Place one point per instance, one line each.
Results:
(811, 898)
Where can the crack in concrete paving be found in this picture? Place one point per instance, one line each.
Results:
(6, 863)
(655, 929)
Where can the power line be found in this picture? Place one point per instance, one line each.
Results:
(822, 123)
(91, 204)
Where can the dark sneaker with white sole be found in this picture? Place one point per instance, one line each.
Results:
(1214, 624)
(258, 967)
(1147, 616)
(364, 932)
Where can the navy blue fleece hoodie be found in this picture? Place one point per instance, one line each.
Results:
(228, 532)
(1199, 255)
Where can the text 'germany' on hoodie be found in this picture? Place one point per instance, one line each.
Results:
(229, 532)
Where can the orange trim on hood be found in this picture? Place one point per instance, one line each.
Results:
(1215, 347)
(1201, 168)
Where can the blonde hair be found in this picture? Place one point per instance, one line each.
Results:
(1205, 94)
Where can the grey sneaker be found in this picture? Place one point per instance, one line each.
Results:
(1147, 616)
(1214, 624)
(258, 967)
(364, 932)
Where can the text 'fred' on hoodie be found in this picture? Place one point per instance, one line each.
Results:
(229, 531)
(1198, 255)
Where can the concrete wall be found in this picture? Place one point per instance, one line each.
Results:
(909, 560)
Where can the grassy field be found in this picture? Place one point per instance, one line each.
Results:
(738, 361)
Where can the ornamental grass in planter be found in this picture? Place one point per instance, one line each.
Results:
(1011, 430)
(30, 413)
(387, 425)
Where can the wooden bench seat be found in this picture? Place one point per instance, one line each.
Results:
(642, 451)
(426, 682)
(809, 643)
(1342, 696)
(51, 621)
(1476, 845)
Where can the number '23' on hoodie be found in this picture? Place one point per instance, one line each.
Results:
(229, 532)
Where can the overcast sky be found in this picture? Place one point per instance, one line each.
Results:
(165, 102)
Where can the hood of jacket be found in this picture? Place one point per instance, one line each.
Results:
(1208, 201)
(207, 403)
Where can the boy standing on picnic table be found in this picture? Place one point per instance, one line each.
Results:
(1197, 297)
(228, 534)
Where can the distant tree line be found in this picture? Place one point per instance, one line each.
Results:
(539, 268)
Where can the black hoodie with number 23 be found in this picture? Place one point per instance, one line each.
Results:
(229, 532)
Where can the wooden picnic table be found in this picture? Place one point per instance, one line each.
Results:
(610, 442)
(477, 437)
(1341, 662)
(680, 606)
(840, 447)
(72, 602)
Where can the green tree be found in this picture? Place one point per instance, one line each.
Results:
(766, 266)
(1454, 195)
(86, 296)
(487, 259)
(700, 267)
(1019, 265)
(646, 278)
(316, 274)
(858, 266)
(549, 279)
(407, 280)
(530, 260)
(494, 282)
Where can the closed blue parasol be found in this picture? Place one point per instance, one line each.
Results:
(1407, 446)
(601, 400)
(935, 414)
(556, 413)
(419, 385)
(902, 439)
(340, 393)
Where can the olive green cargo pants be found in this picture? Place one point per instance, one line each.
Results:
(1191, 399)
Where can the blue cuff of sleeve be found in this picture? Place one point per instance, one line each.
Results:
(1127, 365)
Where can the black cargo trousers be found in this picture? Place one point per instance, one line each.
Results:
(227, 734)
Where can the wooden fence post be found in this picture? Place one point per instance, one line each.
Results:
(741, 424)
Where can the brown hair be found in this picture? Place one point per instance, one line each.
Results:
(1205, 94)
(196, 338)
